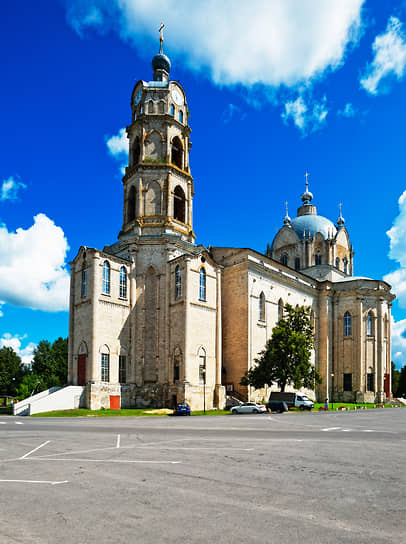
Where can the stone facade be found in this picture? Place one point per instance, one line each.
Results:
(156, 319)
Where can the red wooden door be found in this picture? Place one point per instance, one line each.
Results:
(114, 402)
(81, 369)
(386, 385)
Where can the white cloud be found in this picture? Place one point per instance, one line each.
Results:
(32, 266)
(232, 112)
(347, 111)
(389, 61)
(307, 118)
(399, 341)
(14, 342)
(283, 42)
(118, 147)
(9, 188)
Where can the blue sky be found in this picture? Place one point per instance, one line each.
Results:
(275, 89)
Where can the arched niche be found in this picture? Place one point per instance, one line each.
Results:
(153, 199)
(131, 204)
(179, 204)
(153, 146)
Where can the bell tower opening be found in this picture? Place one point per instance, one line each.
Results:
(179, 204)
(177, 152)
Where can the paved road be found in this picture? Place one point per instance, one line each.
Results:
(317, 478)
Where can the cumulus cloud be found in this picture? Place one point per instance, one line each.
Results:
(347, 111)
(399, 341)
(26, 353)
(10, 187)
(117, 146)
(32, 266)
(278, 43)
(306, 117)
(389, 60)
(232, 112)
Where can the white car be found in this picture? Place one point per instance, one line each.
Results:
(249, 408)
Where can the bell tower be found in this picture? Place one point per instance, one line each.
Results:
(158, 186)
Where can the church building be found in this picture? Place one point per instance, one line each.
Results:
(156, 319)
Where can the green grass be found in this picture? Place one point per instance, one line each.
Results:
(348, 405)
(84, 412)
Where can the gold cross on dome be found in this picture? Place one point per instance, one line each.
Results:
(161, 28)
(306, 176)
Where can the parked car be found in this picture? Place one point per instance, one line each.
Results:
(248, 408)
(182, 409)
(277, 406)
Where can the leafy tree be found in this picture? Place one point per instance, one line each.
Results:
(29, 385)
(401, 390)
(395, 379)
(286, 356)
(11, 371)
(50, 363)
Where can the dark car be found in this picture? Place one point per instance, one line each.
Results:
(277, 406)
(182, 409)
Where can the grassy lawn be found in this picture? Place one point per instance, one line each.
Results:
(349, 406)
(83, 412)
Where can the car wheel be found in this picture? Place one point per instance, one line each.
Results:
(234, 412)
(301, 408)
(256, 411)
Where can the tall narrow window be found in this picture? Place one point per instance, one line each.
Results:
(369, 324)
(370, 381)
(106, 278)
(177, 152)
(338, 262)
(202, 284)
(280, 309)
(105, 367)
(202, 366)
(131, 204)
(284, 259)
(179, 204)
(347, 324)
(347, 382)
(297, 263)
(317, 259)
(178, 282)
(172, 109)
(136, 151)
(345, 265)
(262, 307)
(84, 281)
(123, 282)
(180, 116)
(122, 368)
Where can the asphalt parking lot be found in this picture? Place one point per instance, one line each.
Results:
(323, 478)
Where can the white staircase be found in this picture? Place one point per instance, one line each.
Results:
(55, 398)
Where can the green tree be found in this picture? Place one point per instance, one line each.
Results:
(286, 356)
(11, 371)
(401, 390)
(395, 379)
(29, 385)
(50, 363)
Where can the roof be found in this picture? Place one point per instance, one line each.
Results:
(311, 224)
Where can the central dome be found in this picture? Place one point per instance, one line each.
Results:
(311, 224)
(161, 62)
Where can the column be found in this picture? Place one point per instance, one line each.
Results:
(186, 357)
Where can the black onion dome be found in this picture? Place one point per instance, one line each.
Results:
(161, 62)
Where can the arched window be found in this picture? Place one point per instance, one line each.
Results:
(202, 284)
(136, 151)
(262, 307)
(345, 265)
(123, 282)
(153, 199)
(297, 263)
(172, 109)
(177, 152)
(84, 281)
(161, 106)
(202, 365)
(280, 309)
(284, 259)
(105, 364)
(180, 116)
(177, 359)
(178, 282)
(369, 324)
(150, 107)
(347, 324)
(106, 278)
(338, 262)
(131, 204)
(179, 204)
(317, 259)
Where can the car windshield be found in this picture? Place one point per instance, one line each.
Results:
(182, 405)
(305, 398)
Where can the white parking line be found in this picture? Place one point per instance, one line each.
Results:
(35, 482)
(34, 450)
(106, 460)
(331, 429)
(19, 423)
(118, 441)
(2, 422)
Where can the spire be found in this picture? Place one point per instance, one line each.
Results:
(340, 220)
(307, 196)
(286, 219)
(161, 63)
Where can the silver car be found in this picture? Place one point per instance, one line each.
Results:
(248, 408)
